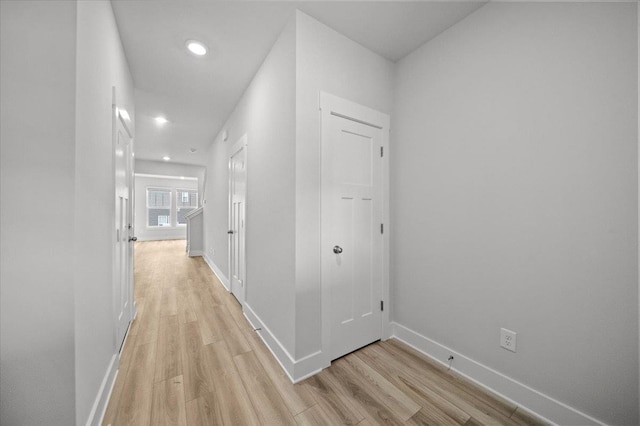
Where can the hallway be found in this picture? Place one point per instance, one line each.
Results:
(192, 358)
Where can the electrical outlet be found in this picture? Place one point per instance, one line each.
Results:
(508, 339)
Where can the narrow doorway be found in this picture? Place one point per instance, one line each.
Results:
(123, 254)
(353, 260)
(237, 209)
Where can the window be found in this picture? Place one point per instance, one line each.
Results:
(164, 212)
(186, 201)
(158, 207)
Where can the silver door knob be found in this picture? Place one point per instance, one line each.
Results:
(229, 232)
(337, 249)
(133, 239)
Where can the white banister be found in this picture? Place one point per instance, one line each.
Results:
(195, 230)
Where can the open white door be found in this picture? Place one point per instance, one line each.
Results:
(353, 138)
(237, 208)
(123, 255)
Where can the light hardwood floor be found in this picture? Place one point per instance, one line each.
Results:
(191, 358)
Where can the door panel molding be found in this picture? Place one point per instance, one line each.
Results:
(237, 219)
(334, 108)
(122, 149)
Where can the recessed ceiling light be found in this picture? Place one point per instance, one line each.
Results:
(196, 47)
(166, 158)
(161, 120)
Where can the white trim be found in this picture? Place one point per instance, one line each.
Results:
(296, 371)
(525, 397)
(102, 399)
(638, 164)
(194, 212)
(125, 121)
(195, 253)
(147, 175)
(308, 366)
(126, 334)
(170, 190)
(173, 207)
(238, 146)
(280, 353)
(386, 244)
(218, 273)
(182, 191)
(124, 118)
(335, 105)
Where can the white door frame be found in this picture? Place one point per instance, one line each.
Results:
(132, 224)
(240, 144)
(334, 105)
(120, 115)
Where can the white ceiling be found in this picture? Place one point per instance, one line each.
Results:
(197, 95)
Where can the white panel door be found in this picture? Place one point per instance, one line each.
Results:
(237, 208)
(123, 283)
(352, 251)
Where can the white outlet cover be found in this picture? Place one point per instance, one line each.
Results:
(508, 339)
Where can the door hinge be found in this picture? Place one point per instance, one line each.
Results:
(382, 305)
(382, 228)
(381, 151)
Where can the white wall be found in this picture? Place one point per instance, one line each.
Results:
(279, 113)
(216, 204)
(266, 113)
(37, 82)
(145, 233)
(515, 198)
(330, 62)
(59, 63)
(101, 65)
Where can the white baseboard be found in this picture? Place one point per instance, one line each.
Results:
(308, 366)
(281, 355)
(296, 370)
(109, 380)
(224, 280)
(525, 397)
(104, 393)
(195, 253)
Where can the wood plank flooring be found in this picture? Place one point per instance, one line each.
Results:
(191, 358)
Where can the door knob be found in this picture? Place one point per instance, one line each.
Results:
(133, 239)
(337, 249)
(229, 232)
